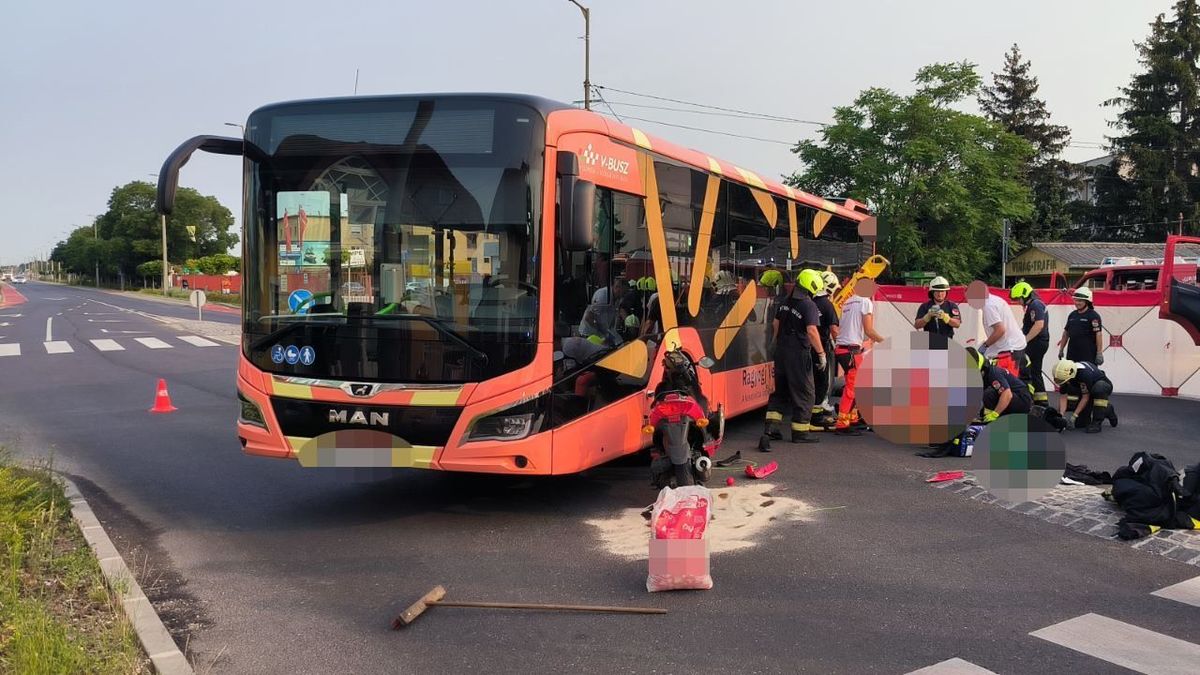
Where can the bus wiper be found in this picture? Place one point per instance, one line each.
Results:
(290, 328)
(437, 324)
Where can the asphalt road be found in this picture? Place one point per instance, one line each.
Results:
(264, 567)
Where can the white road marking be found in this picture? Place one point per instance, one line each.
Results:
(197, 341)
(10, 316)
(108, 345)
(1124, 644)
(106, 321)
(1187, 592)
(10, 350)
(49, 321)
(58, 347)
(123, 332)
(4, 323)
(955, 666)
(153, 343)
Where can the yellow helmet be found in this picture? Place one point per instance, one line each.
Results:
(1064, 371)
(976, 359)
(811, 281)
(1083, 293)
(1020, 291)
(771, 279)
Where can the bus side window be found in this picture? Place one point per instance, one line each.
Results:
(750, 235)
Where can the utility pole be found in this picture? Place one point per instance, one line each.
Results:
(164, 260)
(1004, 257)
(96, 237)
(587, 54)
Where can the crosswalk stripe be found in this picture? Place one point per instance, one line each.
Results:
(108, 345)
(153, 343)
(955, 666)
(197, 341)
(58, 347)
(1187, 592)
(1124, 644)
(10, 350)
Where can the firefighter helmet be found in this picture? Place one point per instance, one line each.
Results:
(1020, 291)
(832, 284)
(811, 281)
(1064, 371)
(939, 284)
(1083, 293)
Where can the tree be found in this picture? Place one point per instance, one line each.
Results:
(1012, 102)
(1153, 181)
(941, 181)
(132, 232)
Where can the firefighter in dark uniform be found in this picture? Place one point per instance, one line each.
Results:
(827, 328)
(1036, 326)
(938, 315)
(1085, 390)
(795, 341)
(1084, 333)
(1003, 394)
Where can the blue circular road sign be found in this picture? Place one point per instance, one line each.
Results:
(300, 300)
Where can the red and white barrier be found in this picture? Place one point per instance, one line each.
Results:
(1143, 354)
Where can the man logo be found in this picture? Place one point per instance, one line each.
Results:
(359, 390)
(359, 417)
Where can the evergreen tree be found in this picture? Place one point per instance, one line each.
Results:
(1153, 180)
(1012, 102)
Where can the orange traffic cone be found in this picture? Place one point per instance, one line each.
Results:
(162, 400)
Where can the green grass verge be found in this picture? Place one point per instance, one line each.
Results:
(225, 298)
(56, 613)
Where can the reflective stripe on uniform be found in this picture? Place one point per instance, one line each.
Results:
(773, 416)
(799, 426)
(1101, 403)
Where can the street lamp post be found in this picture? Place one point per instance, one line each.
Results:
(163, 221)
(587, 54)
(96, 237)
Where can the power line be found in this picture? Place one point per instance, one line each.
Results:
(778, 118)
(704, 112)
(711, 131)
(607, 104)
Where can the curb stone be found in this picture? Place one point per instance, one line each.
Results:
(151, 633)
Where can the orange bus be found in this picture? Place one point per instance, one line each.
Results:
(452, 281)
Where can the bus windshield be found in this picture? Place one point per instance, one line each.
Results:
(393, 239)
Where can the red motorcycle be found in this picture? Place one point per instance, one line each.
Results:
(686, 434)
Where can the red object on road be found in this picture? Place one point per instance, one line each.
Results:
(162, 400)
(762, 471)
(943, 476)
(729, 481)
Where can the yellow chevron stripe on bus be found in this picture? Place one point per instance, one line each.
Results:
(751, 178)
(288, 390)
(641, 139)
(734, 321)
(820, 220)
(714, 166)
(766, 204)
(449, 397)
(703, 241)
(658, 244)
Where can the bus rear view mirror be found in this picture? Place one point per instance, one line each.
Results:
(576, 204)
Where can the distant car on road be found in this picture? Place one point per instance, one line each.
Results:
(19, 279)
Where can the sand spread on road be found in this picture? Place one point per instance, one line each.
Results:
(740, 516)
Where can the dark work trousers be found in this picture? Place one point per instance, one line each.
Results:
(1097, 406)
(1021, 403)
(794, 387)
(1036, 351)
(823, 378)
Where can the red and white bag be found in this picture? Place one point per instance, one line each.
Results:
(678, 549)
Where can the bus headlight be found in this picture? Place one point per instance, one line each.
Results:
(510, 424)
(250, 413)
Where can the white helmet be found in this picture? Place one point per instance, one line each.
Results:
(832, 284)
(1064, 371)
(725, 281)
(1083, 293)
(939, 284)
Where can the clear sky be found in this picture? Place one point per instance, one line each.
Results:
(96, 94)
